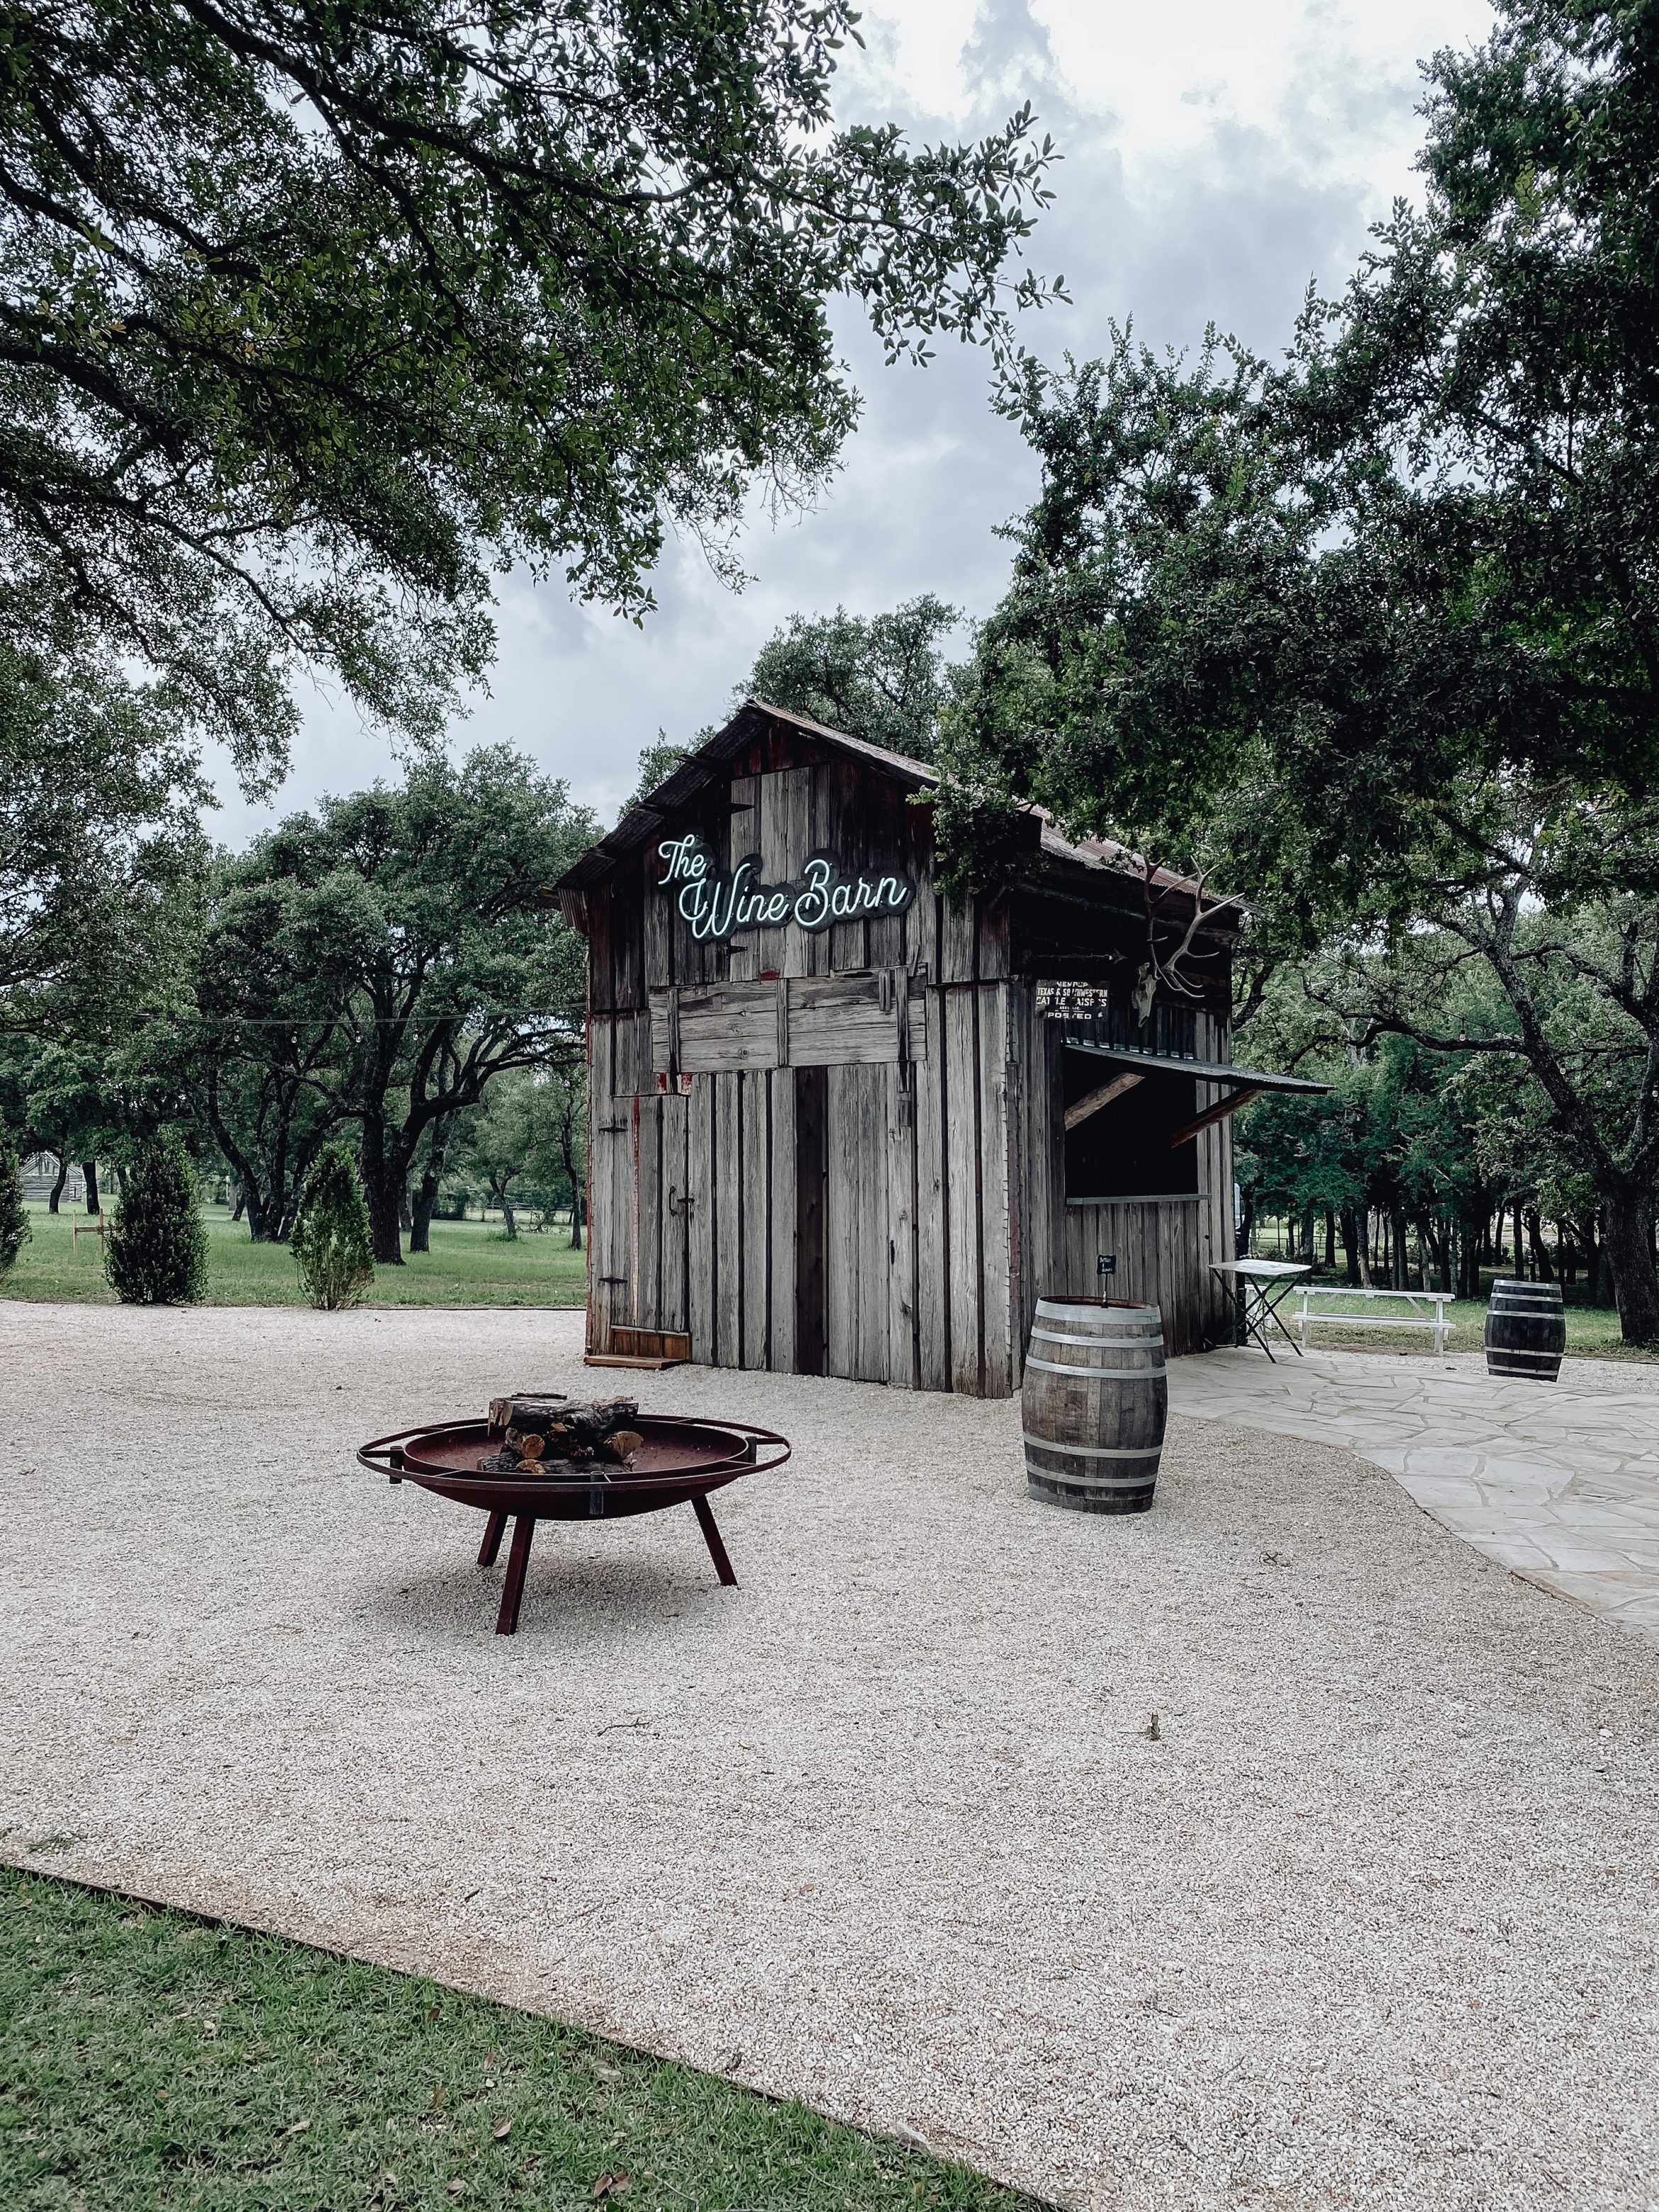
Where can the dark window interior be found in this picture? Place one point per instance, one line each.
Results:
(1123, 1150)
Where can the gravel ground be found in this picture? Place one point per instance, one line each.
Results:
(1369, 1920)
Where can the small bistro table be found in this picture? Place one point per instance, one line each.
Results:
(1255, 1289)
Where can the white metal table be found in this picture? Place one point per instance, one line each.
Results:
(1255, 1289)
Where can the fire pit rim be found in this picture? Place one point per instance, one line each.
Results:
(388, 1455)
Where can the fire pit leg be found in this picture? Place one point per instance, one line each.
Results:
(524, 1528)
(495, 1529)
(711, 1536)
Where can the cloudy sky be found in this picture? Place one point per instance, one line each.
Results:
(1217, 157)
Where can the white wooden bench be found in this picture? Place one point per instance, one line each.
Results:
(1307, 1317)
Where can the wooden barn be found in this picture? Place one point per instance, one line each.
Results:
(841, 1124)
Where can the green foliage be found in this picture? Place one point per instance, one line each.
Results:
(158, 1246)
(1374, 635)
(15, 1231)
(882, 677)
(100, 846)
(524, 1141)
(379, 960)
(330, 1242)
(315, 318)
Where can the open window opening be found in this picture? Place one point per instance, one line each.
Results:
(1117, 1146)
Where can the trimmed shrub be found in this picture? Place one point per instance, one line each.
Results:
(157, 1253)
(14, 1230)
(331, 1241)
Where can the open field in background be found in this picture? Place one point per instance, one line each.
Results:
(470, 1263)
(151, 2057)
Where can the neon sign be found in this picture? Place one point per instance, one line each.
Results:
(719, 907)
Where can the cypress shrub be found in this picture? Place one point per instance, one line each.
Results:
(157, 1253)
(331, 1240)
(14, 1230)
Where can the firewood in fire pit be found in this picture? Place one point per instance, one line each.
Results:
(548, 1428)
(526, 1410)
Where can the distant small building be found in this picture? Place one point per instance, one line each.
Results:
(842, 1124)
(40, 1172)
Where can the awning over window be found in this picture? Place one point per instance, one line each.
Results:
(1205, 1070)
(1134, 1069)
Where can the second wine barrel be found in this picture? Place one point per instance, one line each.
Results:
(1526, 1330)
(1094, 1403)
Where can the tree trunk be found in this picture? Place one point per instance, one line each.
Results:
(1630, 1255)
(240, 1206)
(1246, 1226)
(432, 1175)
(89, 1176)
(58, 1188)
(1543, 1266)
(567, 1156)
(1397, 1250)
(383, 1190)
(498, 1186)
(1436, 1240)
(1351, 1246)
(1589, 1244)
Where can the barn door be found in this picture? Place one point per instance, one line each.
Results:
(858, 1263)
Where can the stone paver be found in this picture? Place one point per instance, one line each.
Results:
(1559, 1482)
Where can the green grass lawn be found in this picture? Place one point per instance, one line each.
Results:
(470, 1263)
(148, 2059)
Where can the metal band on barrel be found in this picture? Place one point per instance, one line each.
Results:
(1134, 1343)
(1096, 1451)
(1101, 1374)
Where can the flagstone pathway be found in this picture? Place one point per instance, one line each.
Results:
(1559, 1482)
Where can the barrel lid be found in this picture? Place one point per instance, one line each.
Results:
(1096, 1308)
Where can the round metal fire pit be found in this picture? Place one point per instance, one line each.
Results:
(678, 1463)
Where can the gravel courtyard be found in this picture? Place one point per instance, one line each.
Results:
(1367, 1917)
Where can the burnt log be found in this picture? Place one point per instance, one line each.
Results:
(545, 1428)
(529, 1410)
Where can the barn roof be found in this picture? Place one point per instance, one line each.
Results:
(1092, 865)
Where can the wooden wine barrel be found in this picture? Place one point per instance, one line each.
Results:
(1526, 1330)
(1094, 1404)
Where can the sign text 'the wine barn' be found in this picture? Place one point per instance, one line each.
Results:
(719, 907)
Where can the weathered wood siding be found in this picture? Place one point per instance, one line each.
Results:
(695, 1053)
(1164, 1249)
(843, 1152)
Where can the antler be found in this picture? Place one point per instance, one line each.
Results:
(1156, 971)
